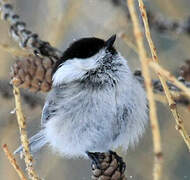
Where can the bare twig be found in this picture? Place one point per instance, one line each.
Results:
(25, 37)
(157, 86)
(13, 162)
(166, 74)
(179, 122)
(153, 50)
(178, 96)
(23, 135)
(161, 23)
(171, 102)
(148, 85)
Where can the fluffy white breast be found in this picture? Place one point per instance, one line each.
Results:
(74, 69)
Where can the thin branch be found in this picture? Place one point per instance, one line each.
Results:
(178, 96)
(166, 74)
(157, 86)
(13, 162)
(171, 102)
(23, 135)
(170, 77)
(148, 85)
(159, 22)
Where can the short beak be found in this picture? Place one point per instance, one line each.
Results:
(110, 41)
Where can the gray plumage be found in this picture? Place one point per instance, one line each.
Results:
(95, 105)
(36, 142)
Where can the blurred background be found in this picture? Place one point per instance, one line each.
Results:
(62, 21)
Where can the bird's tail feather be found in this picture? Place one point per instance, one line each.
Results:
(36, 142)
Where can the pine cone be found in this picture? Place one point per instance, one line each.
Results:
(107, 166)
(185, 70)
(33, 73)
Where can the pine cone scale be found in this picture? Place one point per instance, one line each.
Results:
(110, 167)
(33, 73)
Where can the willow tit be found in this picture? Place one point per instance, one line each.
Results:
(95, 103)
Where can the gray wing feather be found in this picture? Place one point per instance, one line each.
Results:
(36, 142)
(48, 111)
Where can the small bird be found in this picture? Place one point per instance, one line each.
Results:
(95, 104)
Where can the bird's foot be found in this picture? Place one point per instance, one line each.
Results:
(96, 158)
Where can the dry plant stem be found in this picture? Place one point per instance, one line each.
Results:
(171, 102)
(153, 52)
(160, 98)
(167, 75)
(157, 86)
(23, 135)
(145, 71)
(13, 162)
(179, 121)
(163, 99)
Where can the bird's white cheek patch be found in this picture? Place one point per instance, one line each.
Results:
(75, 69)
(67, 73)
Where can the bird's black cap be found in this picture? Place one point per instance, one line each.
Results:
(85, 48)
